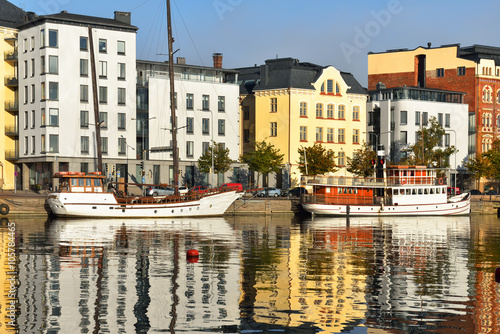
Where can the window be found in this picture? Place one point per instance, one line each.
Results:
(122, 96)
(53, 38)
(32, 93)
(122, 146)
(53, 90)
(355, 113)
(25, 69)
(403, 117)
(121, 47)
(32, 44)
(84, 67)
(303, 133)
(103, 94)
(440, 72)
(189, 149)
(205, 102)
(53, 64)
(425, 118)
(103, 69)
(54, 143)
(190, 125)
(42, 120)
(337, 89)
(355, 136)
(103, 45)
(461, 70)
(53, 116)
(121, 71)
(84, 93)
(329, 135)
(330, 110)
(103, 120)
(341, 158)
(403, 137)
(84, 119)
(319, 134)
(42, 64)
(246, 135)
(26, 121)
(32, 73)
(25, 94)
(274, 104)
(84, 144)
(122, 121)
(104, 145)
(440, 118)
(26, 144)
(341, 135)
(83, 43)
(274, 129)
(487, 94)
(33, 144)
(205, 126)
(42, 144)
(319, 110)
(222, 127)
(447, 140)
(417, 117)
(341, 112)
(189, 101)
(303, 109)
(42, 38)
(205, 146)
(221, 103)
(329, 86)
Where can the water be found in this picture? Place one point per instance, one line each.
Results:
(252, 275)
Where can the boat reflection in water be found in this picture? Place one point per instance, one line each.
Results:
(133, 275)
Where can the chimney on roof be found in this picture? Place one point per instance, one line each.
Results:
(380, 85)
(217, 60)
(181, 61)
(123, 17)
(429, 45)
(30, 16)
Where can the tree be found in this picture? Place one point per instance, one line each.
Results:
(427, 149)
(362, 162)
(478, 167)
(221, 160)
(263, 159)
(492, 165)
(318, 160)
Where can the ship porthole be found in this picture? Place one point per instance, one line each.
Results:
(123, 210)
(189, 209)
(172, 211)
(94, 207)
(210, 205)
(182, 210)
(156, 211)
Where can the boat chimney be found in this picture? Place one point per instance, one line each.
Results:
(217, 60)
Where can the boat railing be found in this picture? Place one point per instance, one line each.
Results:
(371, 181)
(346, 200)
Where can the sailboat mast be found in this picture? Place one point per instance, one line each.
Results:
(172, 100)
(96, 103)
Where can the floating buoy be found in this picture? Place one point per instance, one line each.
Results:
(192, 256)
(497, 275)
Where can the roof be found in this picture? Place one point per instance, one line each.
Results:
(76, 19)
(10, 15)
(288, 73)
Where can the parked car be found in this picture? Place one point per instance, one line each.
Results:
(269, 191)
(183, 190)
(491, 192)
(475, 192)
(199, 189)
(453, 191)
(297, 191)
(159, 191)
(232, 186)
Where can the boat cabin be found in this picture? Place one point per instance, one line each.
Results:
(78, 182)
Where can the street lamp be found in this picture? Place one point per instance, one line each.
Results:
(143, 149)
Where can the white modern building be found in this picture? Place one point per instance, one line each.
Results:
(56, 104)
(207, 109)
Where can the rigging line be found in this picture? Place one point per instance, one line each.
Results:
(152, 27)
(140, 5)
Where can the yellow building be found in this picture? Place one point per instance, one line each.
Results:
(292, 104)
(10, 17)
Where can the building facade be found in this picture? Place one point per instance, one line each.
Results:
(10, 17)
(207, 110)
(473, 70)
(291, 104)
(57, 126)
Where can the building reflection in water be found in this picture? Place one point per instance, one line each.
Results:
(326, 274)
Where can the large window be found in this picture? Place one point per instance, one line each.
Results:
(341, 113)
(329, 135)
(103, 45)
(341, 135)
(54, 143)
(84, 119)
(221, 103)
(122, 146)
(330, 110)
(103, 94)
(329, 86)
(84, 93)
(103, 69)
(104, 145)
(274, 129)
(53, 38)
(84, 67)
(274, 104)
(222, 127)
(403, 137)
(53, 90)
(122, 96)
(205, 126)
(122, 121)
(53, 65)
(121, 71)
(189, 101)
(319, 110)
(341, 158)
(83, 43)
(121, 47)
(205, 102)
(42, 64)
(189, 149)
(84, 144)
(53, 116)
(189, 125)
(303, 133)
(417, 117)
(319, 134)
(103, 120)
(355, 113)
(303, 109)
(355, 136)
(403, 117)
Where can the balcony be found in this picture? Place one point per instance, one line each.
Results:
(11, 81)
(11, 105)
(11, 154)
(10, 55)
(11, 130)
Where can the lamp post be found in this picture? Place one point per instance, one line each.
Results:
(143, 149)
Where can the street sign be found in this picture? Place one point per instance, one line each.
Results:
(16, 173)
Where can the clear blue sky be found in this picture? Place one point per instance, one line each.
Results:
(327, 32)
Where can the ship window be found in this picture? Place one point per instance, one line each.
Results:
(426, 191)
(81, 182)
(414, 192)
(408, 191)
(89, 182)
(74, 183)
(432, 191)
(401, 191)
(97, 182)
(355, 190)
(350, 190)
(420, 191)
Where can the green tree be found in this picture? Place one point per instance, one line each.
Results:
(221, 160)
(478, 167)
(318, 160)
(427, 149)
(263, 159)
(361, 164)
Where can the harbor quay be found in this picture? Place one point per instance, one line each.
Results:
(32, 203)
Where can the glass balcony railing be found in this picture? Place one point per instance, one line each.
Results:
(11, 130)
(11, 105)
(11, 81)
(10, 55)
(11, 154)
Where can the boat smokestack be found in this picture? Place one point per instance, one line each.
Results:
(217, 60)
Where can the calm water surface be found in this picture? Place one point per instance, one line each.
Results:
(252, 275)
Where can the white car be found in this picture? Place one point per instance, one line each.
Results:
(271, 192)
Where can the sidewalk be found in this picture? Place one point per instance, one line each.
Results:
(22, 193)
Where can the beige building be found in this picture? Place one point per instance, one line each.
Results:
(291, 104)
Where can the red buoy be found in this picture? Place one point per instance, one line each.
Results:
(193, 253)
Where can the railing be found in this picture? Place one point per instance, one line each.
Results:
(11, 130)
(10, 55)
(372, 182)
(11, 81)
(346, 200)
(11, 154)
(11, 105)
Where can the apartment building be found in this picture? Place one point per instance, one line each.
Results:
(207, 109)
(10, 17)
(293, 104)
(57, 126)
(473, 70)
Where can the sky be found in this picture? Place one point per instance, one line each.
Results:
(324, 32)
